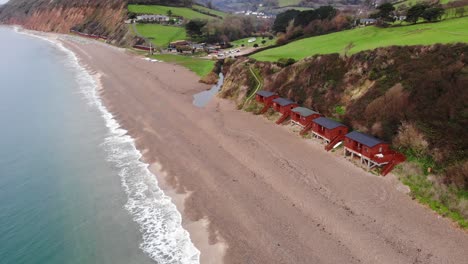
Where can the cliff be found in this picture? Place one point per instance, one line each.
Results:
(100, 17)
(414, 97)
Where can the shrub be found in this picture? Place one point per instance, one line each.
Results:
(283, 62)
(410, 138)
(255, 45)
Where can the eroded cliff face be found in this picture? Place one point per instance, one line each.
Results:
(102, 17)
(412, 96)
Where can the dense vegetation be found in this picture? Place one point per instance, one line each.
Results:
(293, 24)
(355, 40)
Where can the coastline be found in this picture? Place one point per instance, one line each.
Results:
(251, 192)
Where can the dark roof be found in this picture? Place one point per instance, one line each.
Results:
(327, 123)
(305, 112)
(283, 101)
(364, 139)
(265, 93)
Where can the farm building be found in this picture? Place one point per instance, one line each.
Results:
(303, 116)
(283, 106)
(266, 98)
(372, 151)
(331, 131)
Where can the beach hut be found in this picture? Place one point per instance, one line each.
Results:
(266, 98)
(331, 131)
(283, 106)
(303, 116)
(372, 151)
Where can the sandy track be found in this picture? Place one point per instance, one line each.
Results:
(272, 196)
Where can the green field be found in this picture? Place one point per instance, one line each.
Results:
(413, 2)
(200, 66)
(238, 43)
(288, 2)
(184, 12)
(211, 11)
(161, 35)
(447, 31)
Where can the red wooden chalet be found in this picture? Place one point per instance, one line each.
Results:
(303, 116)
(283, 106)
(372, 151)
(329, 130)
(266, 98)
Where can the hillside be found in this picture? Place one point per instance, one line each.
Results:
(185, 12)
(414, 97)
(359, 39)
(101, 17)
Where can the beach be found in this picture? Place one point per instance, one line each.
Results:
(251, 191)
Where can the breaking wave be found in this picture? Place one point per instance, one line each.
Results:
(164, 238)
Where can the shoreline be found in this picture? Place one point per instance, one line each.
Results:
(198, 230)
(253, 186)
(195, 230)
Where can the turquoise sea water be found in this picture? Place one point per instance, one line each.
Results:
(71, 187)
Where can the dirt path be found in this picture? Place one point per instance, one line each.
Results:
(272, 196)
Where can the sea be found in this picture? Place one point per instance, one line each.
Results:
(72, 186)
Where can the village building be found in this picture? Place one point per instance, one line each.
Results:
(283, 106)
(330, 131)
(153, 18)
(372, 151)
(303, 116)
(367, 21)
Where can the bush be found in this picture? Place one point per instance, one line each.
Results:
(255, 45)
(283, 62)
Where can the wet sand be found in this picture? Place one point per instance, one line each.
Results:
(254, 192)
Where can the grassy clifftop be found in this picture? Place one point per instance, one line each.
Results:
(355, 40)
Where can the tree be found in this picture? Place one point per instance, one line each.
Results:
(282, 20)
(460, 11)
(385, 12)
(194, 27)
(131, 15)
(415, 12)
(169, 13)
(209, 5)
(433, 14)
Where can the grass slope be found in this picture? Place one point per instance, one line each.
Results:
(200, 66)
(288, 2)
(211, 11)
(161, 35)
(447, 31)
(184, 12)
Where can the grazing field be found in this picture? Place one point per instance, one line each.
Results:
(161, 35)
(413, 2)
(447, 31)
(268, 42)
(288, 2)
(184, 12)
(200, 66)
(211, 11)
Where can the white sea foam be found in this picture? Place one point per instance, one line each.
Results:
(164, 238)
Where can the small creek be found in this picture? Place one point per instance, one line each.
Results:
(203, 98)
